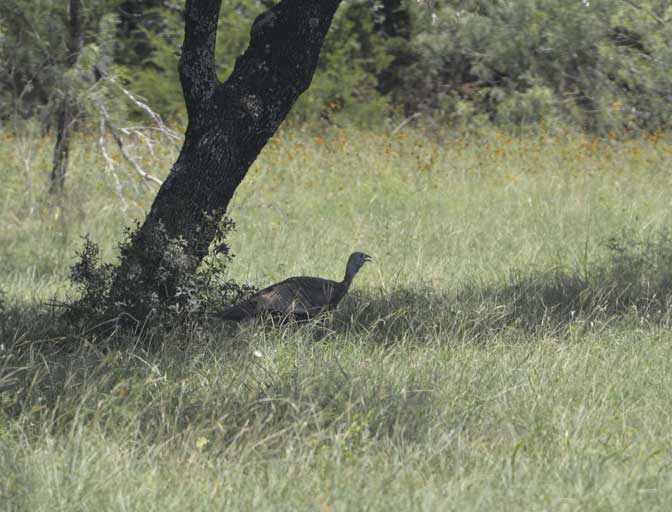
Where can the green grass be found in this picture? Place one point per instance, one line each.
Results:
(497, 355)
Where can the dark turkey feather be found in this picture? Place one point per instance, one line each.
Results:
(298, 298)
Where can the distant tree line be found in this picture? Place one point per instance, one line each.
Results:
(601, 65)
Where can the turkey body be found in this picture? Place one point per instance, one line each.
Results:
(297, 298)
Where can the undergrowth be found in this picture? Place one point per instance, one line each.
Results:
(175, 293)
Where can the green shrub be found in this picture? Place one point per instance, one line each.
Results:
(598, 65)
(528, 107)
(175, 290)
(595, 64)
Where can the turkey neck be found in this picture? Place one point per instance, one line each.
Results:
(349, 276)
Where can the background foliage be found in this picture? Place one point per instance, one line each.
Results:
(601, 65)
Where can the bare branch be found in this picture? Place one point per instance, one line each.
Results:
(117, 138)
(171, 134)
(109, 164)
(138, 133)
(405, 121)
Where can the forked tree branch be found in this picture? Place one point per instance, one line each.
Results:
(197, 63)
(278, 65)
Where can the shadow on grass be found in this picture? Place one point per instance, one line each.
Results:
(50, 382)
(631, 283)
(53, 376)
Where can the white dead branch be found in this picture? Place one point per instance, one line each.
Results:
(109, 165)
(115, 132)
(160, 125)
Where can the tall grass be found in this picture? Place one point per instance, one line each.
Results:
(509, 348)
(438, 209)
(284, 422)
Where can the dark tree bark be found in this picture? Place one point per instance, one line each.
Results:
(229, 122)
(64, 114)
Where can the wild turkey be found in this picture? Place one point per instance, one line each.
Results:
(298, 298)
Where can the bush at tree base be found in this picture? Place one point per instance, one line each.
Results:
(175, 290)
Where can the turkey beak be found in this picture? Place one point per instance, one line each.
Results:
(367, 258)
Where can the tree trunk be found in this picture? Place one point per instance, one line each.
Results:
(229, 122)
(64, 114)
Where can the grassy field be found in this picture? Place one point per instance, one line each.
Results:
(510, 348)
